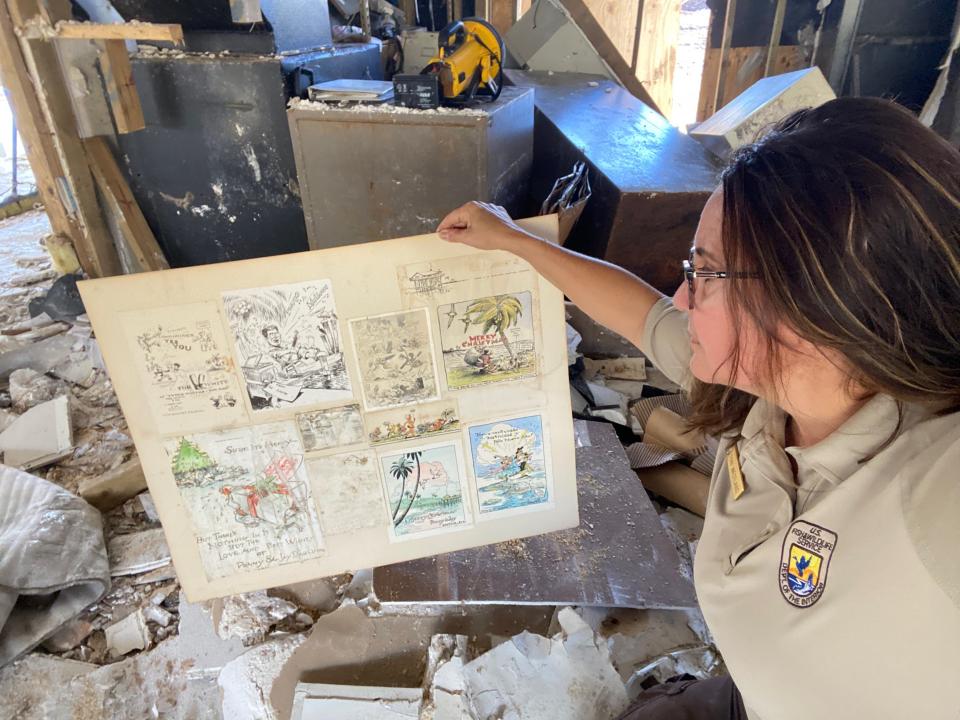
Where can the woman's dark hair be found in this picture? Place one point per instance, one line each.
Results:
(849, 215)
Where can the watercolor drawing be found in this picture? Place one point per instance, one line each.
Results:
(348, 491)
(288, 344)
(248, 496)
(424, 489)
(413, 422)
(395, 355)
(331, 428)
(487, 340)
(509, 464)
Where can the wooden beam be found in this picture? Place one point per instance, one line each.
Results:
(457, 13)
(775, 33)
(38, 139)
(728, 18)
(114, 487)
(76, 191)
(121, 92)
(580, 11)
(119, 31)
(656, 46)
(501, 14)
(114, 189)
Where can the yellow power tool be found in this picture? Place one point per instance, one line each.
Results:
(468, 68)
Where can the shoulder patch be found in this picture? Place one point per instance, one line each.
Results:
(804, 561)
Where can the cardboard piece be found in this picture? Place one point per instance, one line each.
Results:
(678, 483)
(213, 365)
(670, 430)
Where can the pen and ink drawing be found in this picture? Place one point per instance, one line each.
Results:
(395, 355)
(248, 496)
(424, 489)
(413, 422)
(288, 344)
(348, 491)
(509, 464)
(182, 355)
(331, 428)
(488, 339)
(432, 280)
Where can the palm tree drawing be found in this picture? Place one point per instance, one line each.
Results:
(400, 470)
(498, 313)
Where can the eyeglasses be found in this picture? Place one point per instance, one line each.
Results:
(690, 273)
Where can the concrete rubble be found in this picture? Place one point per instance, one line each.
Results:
(567, 677)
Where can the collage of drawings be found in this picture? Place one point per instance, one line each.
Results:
(268, 494)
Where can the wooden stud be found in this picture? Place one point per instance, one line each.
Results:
(114, 189)
(121, 92)
(457, 10)
(501, 14)
(120, 31)
(32, 125)
(775, 33)
(73, 181)
(728, 18)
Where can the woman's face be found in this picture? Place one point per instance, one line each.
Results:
(710, 324)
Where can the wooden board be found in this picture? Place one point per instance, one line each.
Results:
(223, 411)
(618, 19)
(32, 126)
(113, 187)
(656, 52)
(746, 67)
(71, 175)
(121, 91)
(586, 14)
(120, 31)
(501, 14)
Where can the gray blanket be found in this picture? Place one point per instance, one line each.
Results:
(52, 559)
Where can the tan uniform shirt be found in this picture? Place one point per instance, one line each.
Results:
(836, 593)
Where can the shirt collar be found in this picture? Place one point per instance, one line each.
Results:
(840, 454)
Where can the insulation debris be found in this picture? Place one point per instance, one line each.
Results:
(567, 677)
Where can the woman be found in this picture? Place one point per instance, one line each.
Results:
(818, 335)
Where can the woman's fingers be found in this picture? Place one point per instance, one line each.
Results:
(480, 225)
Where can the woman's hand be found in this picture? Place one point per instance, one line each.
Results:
(484, 226)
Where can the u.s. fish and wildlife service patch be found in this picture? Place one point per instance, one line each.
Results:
(807, 550)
